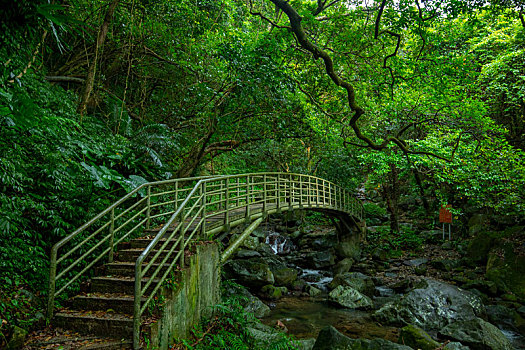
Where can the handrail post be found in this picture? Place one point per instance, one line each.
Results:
(148, 211)
(136, 304)
(112, 233)
(203, 212)
(248, 197)
(264, 193)
(226, 206)
(176, 195)
(278, 191)
(309, 192)
(52, 284)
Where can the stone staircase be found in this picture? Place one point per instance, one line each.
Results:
(106, 309)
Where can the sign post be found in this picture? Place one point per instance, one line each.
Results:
(445, 217)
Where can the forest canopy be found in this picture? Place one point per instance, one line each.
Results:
(418, 103)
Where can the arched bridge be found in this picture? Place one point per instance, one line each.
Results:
(174, 213)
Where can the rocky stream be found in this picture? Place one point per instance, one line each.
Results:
(321, 287)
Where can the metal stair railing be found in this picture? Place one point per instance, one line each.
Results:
(76, 255)
(216, 204)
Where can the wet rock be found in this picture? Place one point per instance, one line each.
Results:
(417, 338)
(312, 291)
(330, 338)
(362, 283)
(249, 302)
(271, 292)
(252, 274)
(404, 286)
(477, 334)
(431, 306)
(343, 266)
(415, 262)
(284, 276)
(18, 338)
(350, 298)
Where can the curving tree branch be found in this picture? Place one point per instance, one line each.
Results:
(301, 37)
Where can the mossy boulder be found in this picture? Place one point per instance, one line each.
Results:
(506, 268)
(417, 338)
(361, 282)
(271, 292)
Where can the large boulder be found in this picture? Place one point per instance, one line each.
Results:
(417, 338)
(252, 274)
(356, 280)
(431, 306)
(506, 318)
(318, 260)
(330, 338)
(477, 334)
(350, 298)
(506, 267)
(249, 302)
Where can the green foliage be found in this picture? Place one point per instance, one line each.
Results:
(228, 329)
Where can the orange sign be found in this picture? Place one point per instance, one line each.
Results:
(445, 215)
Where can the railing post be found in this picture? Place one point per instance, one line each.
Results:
(176, 196)
(136, 305)
(52, 284)
(226, 206)
(264, 194)
(309, 191)
(248, 197)
(238, 199)
(112, 235)
(203, 212)
(148, 211)
(278, 191)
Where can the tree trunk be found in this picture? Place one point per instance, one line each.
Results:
(90, 78)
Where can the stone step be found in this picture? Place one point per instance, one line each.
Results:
(128, 269)
(108, 302)
(131, 255)
(124, 285)
(144, 242)
(96, 322)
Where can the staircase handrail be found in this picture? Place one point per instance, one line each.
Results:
(145, 201)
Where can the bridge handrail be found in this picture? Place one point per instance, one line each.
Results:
(193, 210)
(128, 215)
